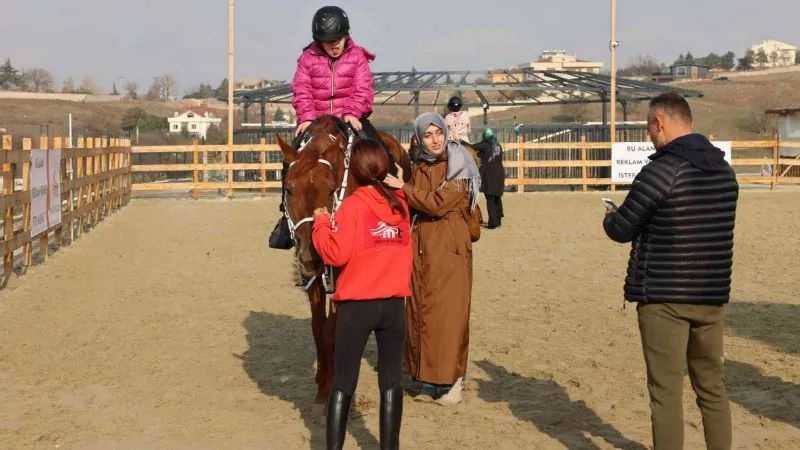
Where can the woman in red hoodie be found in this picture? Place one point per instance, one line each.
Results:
(371, 242)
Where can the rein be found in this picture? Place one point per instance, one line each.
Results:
(326, 273)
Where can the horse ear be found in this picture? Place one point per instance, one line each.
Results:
(341, 142)
(289, 153)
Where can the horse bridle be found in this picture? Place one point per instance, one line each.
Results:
(338, 197)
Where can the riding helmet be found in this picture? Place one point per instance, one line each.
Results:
(488, 134)
(330, 24)
(454, 104)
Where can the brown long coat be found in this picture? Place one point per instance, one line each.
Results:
(437, 314)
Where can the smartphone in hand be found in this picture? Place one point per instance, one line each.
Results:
(610, 203)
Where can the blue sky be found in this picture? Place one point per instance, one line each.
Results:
(140, 39)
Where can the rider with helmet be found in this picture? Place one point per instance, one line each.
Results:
(458, 124)
(333, 74)
(333, 77)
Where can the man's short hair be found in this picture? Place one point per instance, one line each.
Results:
(673, 105)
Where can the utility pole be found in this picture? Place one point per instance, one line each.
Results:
(230, 95)
(613, 46)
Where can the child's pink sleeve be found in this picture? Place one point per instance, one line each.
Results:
(303, 99)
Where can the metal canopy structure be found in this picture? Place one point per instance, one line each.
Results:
(499, 88)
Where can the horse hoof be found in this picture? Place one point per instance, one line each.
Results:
(319, 409)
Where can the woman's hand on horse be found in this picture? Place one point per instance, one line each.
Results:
(395, 182)
(302, 127)
(354, 122)
(320, 212)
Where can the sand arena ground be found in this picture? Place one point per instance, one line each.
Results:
(172, 325)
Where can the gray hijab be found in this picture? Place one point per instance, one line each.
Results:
(460, 163)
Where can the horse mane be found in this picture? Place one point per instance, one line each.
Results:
(311, 154)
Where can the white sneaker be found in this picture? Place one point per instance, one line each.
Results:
(455, 396)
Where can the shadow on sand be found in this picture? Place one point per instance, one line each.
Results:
(546, 404)
(763, 396)
(280, 359)
(774, 324)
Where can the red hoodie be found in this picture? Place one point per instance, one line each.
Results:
(372, 244)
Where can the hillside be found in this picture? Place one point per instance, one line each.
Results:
(729, 110)
(23, 118)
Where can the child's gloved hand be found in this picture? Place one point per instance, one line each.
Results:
(355, 123)
(302, 127)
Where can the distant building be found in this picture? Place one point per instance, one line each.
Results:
(253, 83)
(196, 121)
(788, 131)
(779, 54)
(680, 72)
(551, 60)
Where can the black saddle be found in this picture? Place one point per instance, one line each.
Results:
(341, 125)
(368, 131)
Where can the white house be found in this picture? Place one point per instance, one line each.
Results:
(196, 122)
(779, 54)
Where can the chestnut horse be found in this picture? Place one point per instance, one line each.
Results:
(313, 180)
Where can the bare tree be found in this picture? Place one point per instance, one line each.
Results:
(132, 91)
(155, 92)
(163, 88)
(87, 86)
(38, 80)
(640, 66)
(169, 86)
(757, 121)
(69, 86)
(634, 108)
(575, 111)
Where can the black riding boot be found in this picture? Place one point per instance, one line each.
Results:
(391, 417)
(338, 410)
(281, 238)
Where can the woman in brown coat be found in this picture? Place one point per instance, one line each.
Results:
(442, 193)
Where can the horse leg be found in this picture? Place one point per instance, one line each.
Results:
(316, 296)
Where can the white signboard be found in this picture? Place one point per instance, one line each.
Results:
(628, 158)
(45, 190)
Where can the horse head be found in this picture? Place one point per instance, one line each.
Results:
(312, 181)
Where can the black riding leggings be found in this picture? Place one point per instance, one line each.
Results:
(355, 321)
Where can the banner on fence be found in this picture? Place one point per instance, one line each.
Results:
(45, 190)
(628, 158)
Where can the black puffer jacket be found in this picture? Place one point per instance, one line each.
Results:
(680, 215)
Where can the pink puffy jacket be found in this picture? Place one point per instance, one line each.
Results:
(342, 86)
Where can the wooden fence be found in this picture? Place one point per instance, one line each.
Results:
(95, 181)
(590, 166)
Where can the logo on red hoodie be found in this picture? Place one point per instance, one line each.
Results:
(379, 233)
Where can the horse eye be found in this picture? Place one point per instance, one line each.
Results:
(288, 192)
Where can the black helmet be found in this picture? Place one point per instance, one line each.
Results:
(454, 104)
(330, 24)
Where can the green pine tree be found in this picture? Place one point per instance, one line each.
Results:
(11, 78)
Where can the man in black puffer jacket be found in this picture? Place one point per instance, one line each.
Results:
(679, 216)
